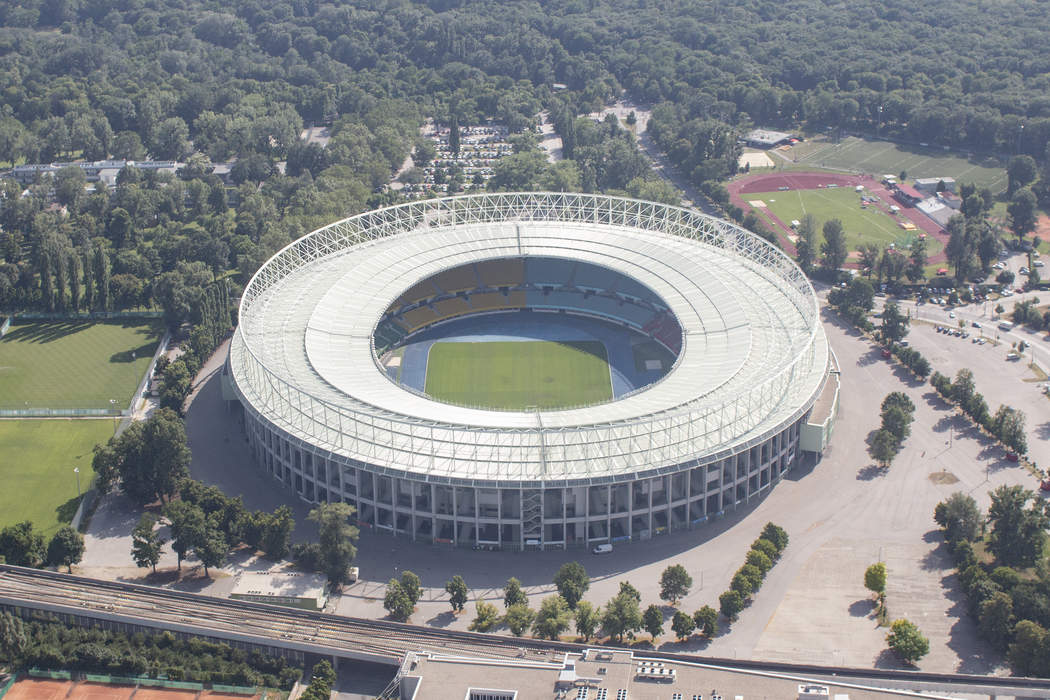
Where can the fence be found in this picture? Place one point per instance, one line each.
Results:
(10, 682)
(83, 316)
(62, 412)
(4, 328)
(53, 675)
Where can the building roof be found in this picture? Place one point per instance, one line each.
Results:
(909, 191)
(925, 181)
(285, 584)
(614, 671)
(753, 353)
(767, 137)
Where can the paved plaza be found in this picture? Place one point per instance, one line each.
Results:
(842, 514)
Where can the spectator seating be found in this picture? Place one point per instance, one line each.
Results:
(506, 272)
(492, 301)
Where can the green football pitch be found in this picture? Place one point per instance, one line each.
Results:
(75, 364)
(517, 375)
(869, 225)
(37, 458)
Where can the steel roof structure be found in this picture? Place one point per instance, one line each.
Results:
(753, 356)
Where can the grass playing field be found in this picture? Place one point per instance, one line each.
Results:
(882, 157)
(869, 225)
(75, 364)
(37, 458)
(518, 375)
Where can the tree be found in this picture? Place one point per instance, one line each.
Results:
(13, 637)
(453, 136)
(397, 602)
(411, 585)
(276, 533)
(875, 579)
(706, 619)
(1021, 171)
(897, 423)
(622, 615)
(806, 244)
(903, 176)
(146, 542)
(337, 539)
(187, 524)
(869, 258)
(759, 560)
(675, 583)
(1027, 653)
(149, 458)
(766, 547)
(682, 624)
(963, 387)
(487, 617)
(65, 548)
(587, 619)
(21, 546)
(899, 400)
(512, 593)
(906, 641)
(627, 589)
(995, 619)
(1018, 532)
(572, 582)
(1008, 426)
(653, 621)
(777, 535)
(212, 548)
(884, 447)
(834, 246)
(917, 259)
(894, 323)
(553, 618)
(731, 603)
(959, 517)
(457, 590)
(519, 618)
(1022, 213)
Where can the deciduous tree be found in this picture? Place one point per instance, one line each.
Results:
(675, 583)
(572, 582)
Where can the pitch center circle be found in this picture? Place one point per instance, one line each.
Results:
(527, 334)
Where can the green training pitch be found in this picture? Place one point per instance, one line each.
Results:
(37, 458)
(870, 225)
(885, 158)
(518, 375)
(75, 364)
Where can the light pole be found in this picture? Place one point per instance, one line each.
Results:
(113, 402)
(76, 470)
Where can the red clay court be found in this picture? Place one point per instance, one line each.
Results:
(46, 689)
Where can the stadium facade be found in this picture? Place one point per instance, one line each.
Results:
(309, 365)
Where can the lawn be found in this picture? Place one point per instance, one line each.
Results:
(75, 364)
(518, 375)
(37, 458)
(870, 225)
(883, 157)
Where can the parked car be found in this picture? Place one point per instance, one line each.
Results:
(1012, 457)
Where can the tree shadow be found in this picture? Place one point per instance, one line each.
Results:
(865, 607)
(887, 659)
(65, 512)
(870, 473)
(1042, 431)
(936, 559)
(974, 654)
(870, 357)
(442, 619)
(142, 351)
(44, 332)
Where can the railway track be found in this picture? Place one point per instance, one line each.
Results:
(343, 636)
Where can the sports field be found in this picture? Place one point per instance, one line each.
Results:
(46, 689)
(870, 225)
(75, 364)
(37, 458)
(518, 375)
(883, 157)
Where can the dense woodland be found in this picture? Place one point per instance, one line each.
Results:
(203, 81)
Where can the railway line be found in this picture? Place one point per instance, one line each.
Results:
(386, 642)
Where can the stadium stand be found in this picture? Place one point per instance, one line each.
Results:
(456, 279)
(417, 318)
(416, 293)
(451, 307)
(492, 301)
(594, 277)
(550, 271)
(665, 329)
(508, 272)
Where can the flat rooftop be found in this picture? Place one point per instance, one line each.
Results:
(616, 672)
(285, 584)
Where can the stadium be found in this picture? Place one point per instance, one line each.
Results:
(529, 371)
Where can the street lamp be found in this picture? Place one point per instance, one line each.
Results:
(76, 470)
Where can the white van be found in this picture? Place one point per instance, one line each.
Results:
(602, 549)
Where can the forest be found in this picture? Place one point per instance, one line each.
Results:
(204, 82)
